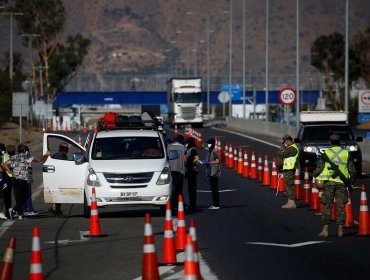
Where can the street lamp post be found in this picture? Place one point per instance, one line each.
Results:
(298, 64)
(346, 107)
(230, 54)
(267, 63)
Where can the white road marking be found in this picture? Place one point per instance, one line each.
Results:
(66, 241)
(246, 136)
(287, 245)
(8, 223)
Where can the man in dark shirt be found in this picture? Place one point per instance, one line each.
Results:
(62, 154)
(191, 158)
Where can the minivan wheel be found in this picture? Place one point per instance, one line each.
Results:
(86, 208)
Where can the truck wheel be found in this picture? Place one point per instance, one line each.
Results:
(86, 208)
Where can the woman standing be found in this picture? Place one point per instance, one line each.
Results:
(213, 172)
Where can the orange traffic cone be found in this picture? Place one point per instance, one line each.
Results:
(190, 270)
(169, 252)
(333, 211)
(320, 206)
(306, 187)
(281, 184)
(314, 203)
(94, 217)
(6, 267)
(219, 149)
(181, 229)
(95, 128)
(297, 184)
(85, 128)
(235, 166)
(200, 140)
(245, 165)
(259, 168)
(364, 218)
(36, 258)
(240, 162)
(176, 133)
(150, 264)
(253, 169)
(79, 141)
(274, 175)
(57, 127)
(266, 179)
(231, 157)
(193, 233)
(226, 155)
(49, 126)
(349, 213)
(65, 127)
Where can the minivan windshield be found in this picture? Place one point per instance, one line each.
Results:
(322, 133)
(120, 148)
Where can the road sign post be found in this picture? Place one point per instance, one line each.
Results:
(287, 97)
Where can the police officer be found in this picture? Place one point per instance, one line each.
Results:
(334, 187)
(289, 153)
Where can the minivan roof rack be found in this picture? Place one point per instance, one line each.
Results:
(146, 120)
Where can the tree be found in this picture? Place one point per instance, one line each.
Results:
(47, 18)
(361, 46)
(328, 56)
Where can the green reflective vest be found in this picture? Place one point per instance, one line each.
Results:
(289, 163)
(5, 159)
(339, 157)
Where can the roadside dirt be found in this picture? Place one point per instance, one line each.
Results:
(31, 136)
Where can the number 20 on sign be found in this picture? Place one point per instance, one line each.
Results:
(287, 96)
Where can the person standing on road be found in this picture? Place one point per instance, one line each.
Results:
(191, 159)
(3, 184)
(213, 172)
(177, 169)
(61, 154)
(9, 180)
(28, 206)
(334, 183)
(20, 163)
(289, 153)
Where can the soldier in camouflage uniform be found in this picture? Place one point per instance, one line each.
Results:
(289, 153)
(334, 187)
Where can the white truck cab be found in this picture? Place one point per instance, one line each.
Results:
(127, 164)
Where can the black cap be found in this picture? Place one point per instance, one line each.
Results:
(287, 137)
(334, 137)
(211, 141)
(2, 147)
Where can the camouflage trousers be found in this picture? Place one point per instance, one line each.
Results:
(289, 183)
(339, 193)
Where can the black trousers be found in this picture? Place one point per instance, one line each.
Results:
(192, 188)
(213, 181)
(8, 194)
(177, 184)
(21, 195)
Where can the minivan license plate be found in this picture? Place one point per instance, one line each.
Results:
(129, 194)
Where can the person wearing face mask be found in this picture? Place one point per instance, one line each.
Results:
(289, 153)
(213, 172)
(191, 159)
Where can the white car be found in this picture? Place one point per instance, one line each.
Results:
(126, 167)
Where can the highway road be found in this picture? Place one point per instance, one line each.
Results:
(250, 237)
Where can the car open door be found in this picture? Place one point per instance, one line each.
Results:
(63, 179)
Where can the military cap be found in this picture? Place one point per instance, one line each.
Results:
(287, 137)
(334, 137)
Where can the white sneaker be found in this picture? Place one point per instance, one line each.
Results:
(31, 213)
(214, 207)
(20, 217)
(2, 216)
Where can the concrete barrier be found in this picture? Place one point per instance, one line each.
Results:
(279, 130)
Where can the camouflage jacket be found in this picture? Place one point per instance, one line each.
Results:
(287, 152)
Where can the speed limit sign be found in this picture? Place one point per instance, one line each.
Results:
(287, 96)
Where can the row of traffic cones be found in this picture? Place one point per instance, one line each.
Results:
(184, 241)
(36, 273)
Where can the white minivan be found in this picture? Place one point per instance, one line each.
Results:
(127, 165)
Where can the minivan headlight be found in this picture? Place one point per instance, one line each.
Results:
(164, 177)
(352, 148)
(92, 179)
(310, 149)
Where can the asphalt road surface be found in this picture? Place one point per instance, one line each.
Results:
(250, 237)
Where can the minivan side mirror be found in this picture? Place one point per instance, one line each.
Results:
(297, 140)
(359, 139)
(78, 158)
(173, 154)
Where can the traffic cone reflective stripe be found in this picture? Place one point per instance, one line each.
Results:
(176, 133)
(150, 264)
(245, 165)
(36, 259)
(274, 175)
(259, 168)
(190, 272)
(314, 203)
(297, 184)
(364, 218)
(169, 252)
(181, 228)
(94, 217)
(349, 213)
(266, 180)
(253, 174)
(240, 162)
(306, 187)
(6, 268)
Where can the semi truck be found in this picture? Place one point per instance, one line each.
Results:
(185, 101)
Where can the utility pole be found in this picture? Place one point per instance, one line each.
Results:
(41, 69)
(298, 64)
(267, 63)
(230, 55)
(244, 59)
(30, 38)
(346, 107)
(11, 14)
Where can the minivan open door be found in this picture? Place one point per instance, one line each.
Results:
(63, 179)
